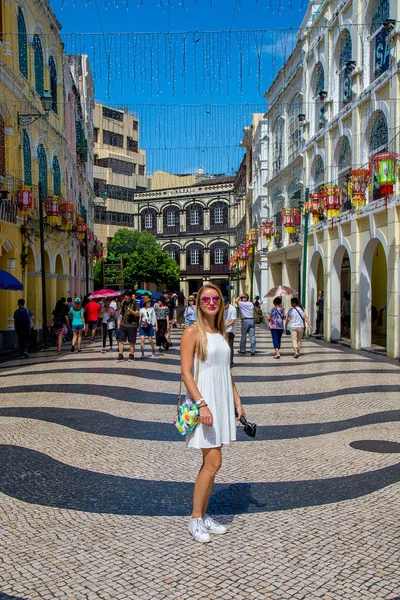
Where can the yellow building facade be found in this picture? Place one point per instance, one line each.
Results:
(33, 151)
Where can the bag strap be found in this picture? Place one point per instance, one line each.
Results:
(299, 313)
(196, 377)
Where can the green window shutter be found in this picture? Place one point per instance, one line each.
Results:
(26, 148)
(56, 177)
(39, 69)
(53, 84)
(41, 154)
(22, 45)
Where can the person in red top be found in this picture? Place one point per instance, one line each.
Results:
(92, 310)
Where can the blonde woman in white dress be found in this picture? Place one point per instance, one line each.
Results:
(205, 353)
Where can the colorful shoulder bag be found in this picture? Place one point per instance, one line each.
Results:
(188, 415)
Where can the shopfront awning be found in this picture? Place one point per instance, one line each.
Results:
(9, 282)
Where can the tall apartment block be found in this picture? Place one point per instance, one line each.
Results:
(119, 170)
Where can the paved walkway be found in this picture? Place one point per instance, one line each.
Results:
(95, 484)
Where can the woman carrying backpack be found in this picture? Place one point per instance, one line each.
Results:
(59, 323)
(276, 318)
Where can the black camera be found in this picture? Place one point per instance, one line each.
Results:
(250, 429)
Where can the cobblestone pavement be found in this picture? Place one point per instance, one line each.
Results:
(96, 484)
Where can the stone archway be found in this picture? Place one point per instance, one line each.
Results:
(373, 296)
(316, 283)
(61, 281)
(340, 283)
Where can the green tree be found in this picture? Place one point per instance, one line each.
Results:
(143, 258)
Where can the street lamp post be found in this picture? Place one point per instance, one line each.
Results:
(305, 250)
(254, 240)
(87, 263)
(43, 273)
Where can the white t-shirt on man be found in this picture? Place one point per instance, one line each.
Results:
(229, 315)
(246, 310)
(296, 317)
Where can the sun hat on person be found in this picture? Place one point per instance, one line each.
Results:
(146, 298)
(191, 298)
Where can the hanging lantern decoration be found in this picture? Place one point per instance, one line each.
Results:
(384, 166)
(243, 255)
(25, 200)
(358, 185)
(52, 208)
(315, 206)
(81, 227)
(254, 233)
(290, 218)
(67, 216)
(268, 231)
(333, 198)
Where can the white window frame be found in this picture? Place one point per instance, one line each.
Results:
(195, 216)
(172, 254)
(171, 218)
(148, 221)
(218, 215)
(219, 255)
(194, 256)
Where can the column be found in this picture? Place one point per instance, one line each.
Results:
(206, 219)
(206, 259)
(159, 223)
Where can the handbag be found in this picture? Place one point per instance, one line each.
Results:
(144, 324)
(188, 415)
(250, 429)
(111, 324)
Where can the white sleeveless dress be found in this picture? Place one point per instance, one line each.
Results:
(215, 385)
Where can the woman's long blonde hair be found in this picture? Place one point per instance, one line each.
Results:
(202, 344)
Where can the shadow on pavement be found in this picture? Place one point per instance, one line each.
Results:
(33, 477)
(102, 423)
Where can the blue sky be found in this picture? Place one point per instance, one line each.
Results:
(154, 75)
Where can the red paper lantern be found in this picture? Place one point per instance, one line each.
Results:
(315, 206)
(81, 227)
(290, 218)
(52, 208)
(333, 198)
(268, 231)
(385, 166)
(359, 182)
(67, 219)
(24, 200)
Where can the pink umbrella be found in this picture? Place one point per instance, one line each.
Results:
(281, 290)
(103, 294)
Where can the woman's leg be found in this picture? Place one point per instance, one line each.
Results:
(151, 343)
(74, 336)
(104, 326)
(299, 338)
(142, 344)
(279, 334)
(59, 341)
(110, 337)
(275, 342)
(293, 335)
(79, 332)
(212, 460)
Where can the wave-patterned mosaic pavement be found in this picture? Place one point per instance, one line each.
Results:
(96, 484)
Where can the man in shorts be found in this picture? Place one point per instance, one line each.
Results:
(92, 310)
(128, 325)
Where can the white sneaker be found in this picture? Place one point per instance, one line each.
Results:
(212, 526)
(198, 531)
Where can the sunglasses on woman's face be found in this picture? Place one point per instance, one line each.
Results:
(207, 299)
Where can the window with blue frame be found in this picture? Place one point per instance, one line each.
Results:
(53, 84)
(56, 177)
(39, 70)
(22, 45)
(379, 48)
(26, 149)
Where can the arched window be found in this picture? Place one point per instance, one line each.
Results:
(149, 220)
(278, 203)
(277, 158)
(57, 178)
(194, 256)
(219, 216)
(294, 133)
(319, 86)
(378, 142)
(171, 219)
(39, 71)
(294, 193)
(22, 45)
(379, 136)
(345, 57)
(173, 252)
(26, 149)
(194, 218)
(219, 255)
(318, 171)
(344, 166)
(41, 154)
(379, 48)
(53, 84)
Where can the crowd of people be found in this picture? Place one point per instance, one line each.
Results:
(119, 320)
